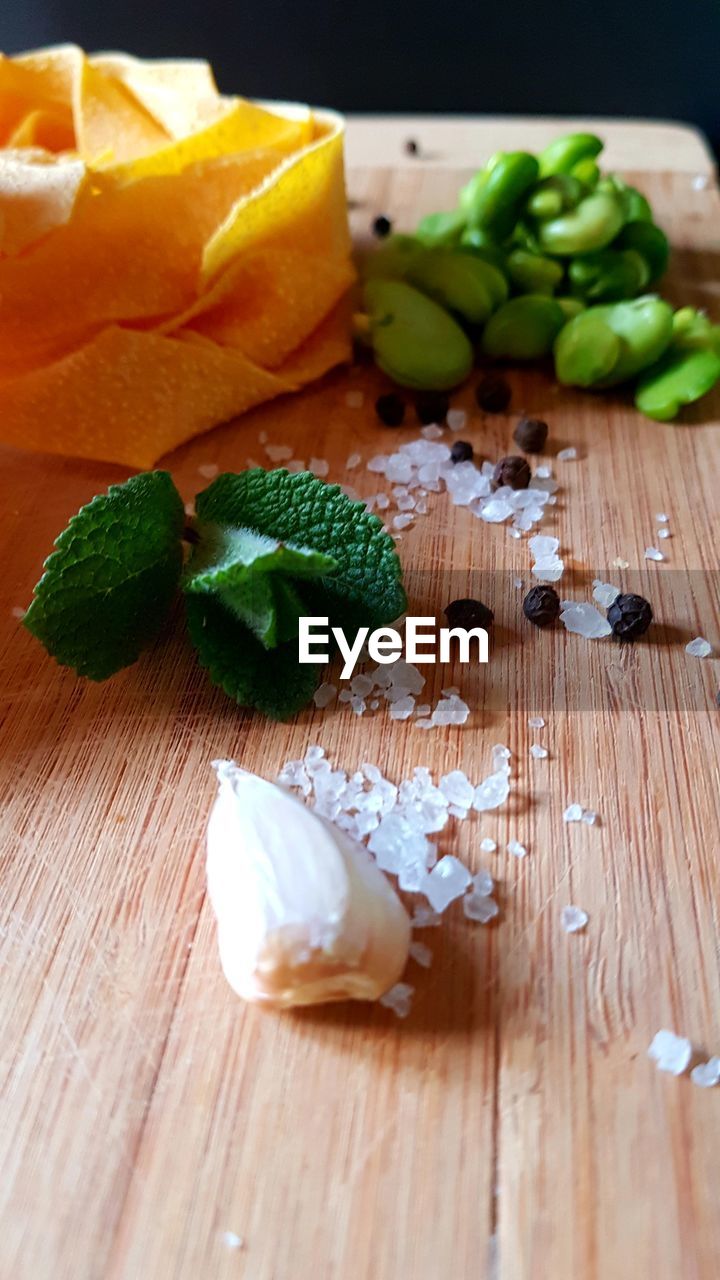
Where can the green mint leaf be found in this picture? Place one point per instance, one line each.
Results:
(109, 584)
(248, 573)
(365, 588)
(275, 683)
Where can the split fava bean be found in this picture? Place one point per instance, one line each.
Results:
(650, 242)
(563, 154)
(609, 344)
(492, 199)
(416, 342)
(523, 328)
(609, 275)
(533, 273)
(592, 224)
(552, 196)
(688, 369)
(459, 281)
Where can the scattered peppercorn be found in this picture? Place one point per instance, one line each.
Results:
(530, 435)
(390, 409)
(412, 148)
(469, 613)
(431, 406)
(461, 451)
(629, 616)
(382, 227)
(493, 393)
(542, 606)
(513, 471)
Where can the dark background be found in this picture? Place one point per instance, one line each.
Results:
(653, 58)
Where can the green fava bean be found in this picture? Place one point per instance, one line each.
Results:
(608, 344)
(552, 196)
(564, 153)
(679, 378)
(460, 282)
(416, 342)
(393, 258)
(609, 275)
(592, 224)
(571, 307)
(650, 242)
(479, 243)
(441, 228)
(492, 199)
(524, 328)
(532, 273)
(587, 173)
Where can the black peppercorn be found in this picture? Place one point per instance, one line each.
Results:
(431, 406)
(382, 227)
(390, 409)
(513, 471)
(542, 606)
(469, 613)
(629, 616)
(493, 393)
(412, 148)
(530, 435)
(461, 451)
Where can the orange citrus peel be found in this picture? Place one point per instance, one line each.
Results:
(169, 257)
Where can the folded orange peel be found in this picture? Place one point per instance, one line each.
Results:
(169, 256)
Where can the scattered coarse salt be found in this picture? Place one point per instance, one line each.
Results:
(450, 710)
(671, 1052)
(543, 472)
(403, 708)
(377, 463)
(706, 1074)
(232, 1240)
(189, 508)
(573, 919)
(652, 553)
(278, 452)
(399, 999)
(619, 563)
(423, 709)
(480, 907)
(573, 813)
(456, 419)
(538, 752)
(458, 788)
(604, 593)
(663, 533)
(353, 461)
(549, 568)
(208, 470)
(491, 792)
(699, 648)
(518, 584)
(585, 620)
(448, 879)
(402, 521)
(662, 517)
(17, 612)
(319, 467)
(517, 849)
(424, 917)
(431, 432)
(295, 466)
(487, 845)
(421, 954)
(382, 502)
(483, 884)
(324, 695)
(589, 817)
(354, 399)
(567, 455)
(514, 533)
(424, 723)
(536, 722)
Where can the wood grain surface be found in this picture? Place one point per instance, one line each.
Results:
(513, 1127)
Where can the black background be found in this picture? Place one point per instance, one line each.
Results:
(636, 57)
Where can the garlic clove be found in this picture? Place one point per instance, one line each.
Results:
(304, 914)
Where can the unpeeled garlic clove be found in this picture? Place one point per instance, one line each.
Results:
(304, 914)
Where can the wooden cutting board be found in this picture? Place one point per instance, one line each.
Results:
(512, 1128)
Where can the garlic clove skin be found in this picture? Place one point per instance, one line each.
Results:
(304, 914)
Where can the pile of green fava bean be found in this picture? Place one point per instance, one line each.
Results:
(544, 254)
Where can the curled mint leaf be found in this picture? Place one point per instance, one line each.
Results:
(365, 588)
(110, 582)
(250, 574)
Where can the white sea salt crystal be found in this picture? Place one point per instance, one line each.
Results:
(517, 849)
(353, 461)
(458, 789)
(514, 533)
(404, 501)
(296, 466)
(457, 811)
(403, 708)
(584, 619)
(358, 705)
(456, 419)
(324, 695)
(662, 517)
(450, 711)
(319, 467)
(294, 774)
(424, 917)
(431, 431)
(604, 592)
(262, 437)
(663, 533)
(399, 469)
(499, 755)
(354, 399)
(573, 813)
(652, 553)
(421, 507)
(699, 647)
(447, 881)
(278, 452)
(423, 709)
(518, 584)
(706, 1074)
(399, 999)
(549, 569)
(403, 675)
(402, 521)
(483, 884)
(378, 463)
(536, 722)
(480, 908)
(543, 472)
(421, 954)
(350, 493)
(209, 470)
(573, 919)
(567, 455)
(491, 792)
(344, 695)
(589, 817)
(496, 510)
(232, 1240)
(17, 612)
(382, 502)
(362, 685)
(487, 845)
(538, 752)
(671, 1052)
(424, 723)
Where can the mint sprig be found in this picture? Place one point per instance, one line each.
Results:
(268, 547)
(110, 583)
